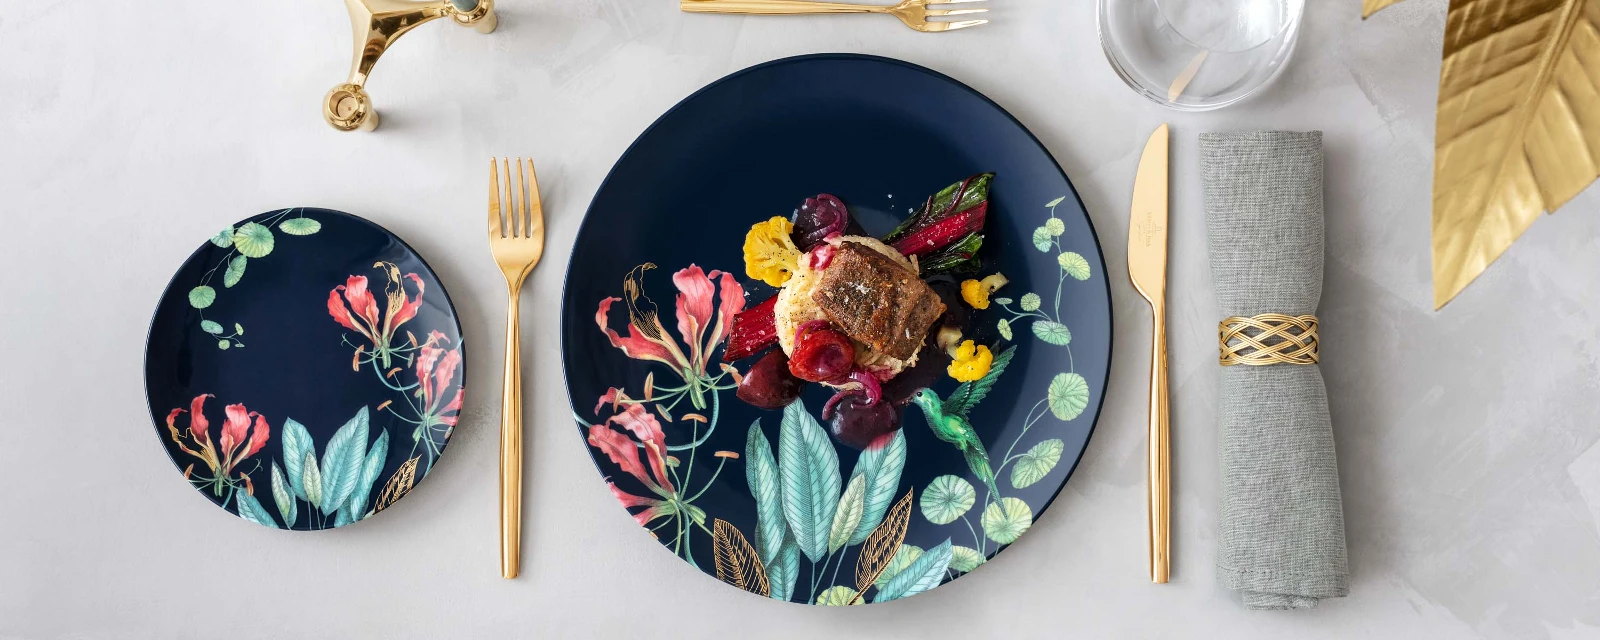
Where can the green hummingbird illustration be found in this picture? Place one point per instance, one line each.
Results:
(948, 418)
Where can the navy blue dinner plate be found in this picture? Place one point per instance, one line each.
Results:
(770, 501)
(304, 369)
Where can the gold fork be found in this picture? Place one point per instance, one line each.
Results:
(517, 243)
(914, 13)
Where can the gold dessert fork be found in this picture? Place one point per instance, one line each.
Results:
(914, 13)
(517, 242)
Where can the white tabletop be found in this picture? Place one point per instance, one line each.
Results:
(128, 130)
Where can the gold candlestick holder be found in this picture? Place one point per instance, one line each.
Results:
(375, 25)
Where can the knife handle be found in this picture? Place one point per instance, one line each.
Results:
(1160, 511)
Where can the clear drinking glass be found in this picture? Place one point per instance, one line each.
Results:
(1196, 55)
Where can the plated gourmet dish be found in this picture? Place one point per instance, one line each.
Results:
(875, 319)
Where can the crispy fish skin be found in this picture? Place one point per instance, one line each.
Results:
(877, 301)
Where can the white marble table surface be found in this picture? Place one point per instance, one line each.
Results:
(1467, 438)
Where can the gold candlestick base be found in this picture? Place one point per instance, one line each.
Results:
(375, 25)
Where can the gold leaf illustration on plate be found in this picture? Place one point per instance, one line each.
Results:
(738, 563)
(1518, 129)
(398, 485)
(879, 548)
(1369, 7)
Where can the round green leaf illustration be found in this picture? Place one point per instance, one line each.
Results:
(1042, 238)
(1052, 332)
(253, 240)
(202, 296)
(224, 344)
(1030, 302)
(1004, 326)
(1055, 202)
(300, 226)
(224, 238)
(1006, 525)
(1002, 301)
(1055, 226)
(1068, 395)
(1074, 265)
(837, 597)
(1036, 463)
(235, 271)
(947, 498)
(903, 557)
(210, 327)
(964, 559)
(238, 329)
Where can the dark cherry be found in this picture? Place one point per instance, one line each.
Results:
(768, 384)
(856, 423)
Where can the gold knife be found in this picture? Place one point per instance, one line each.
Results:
(1147, 266)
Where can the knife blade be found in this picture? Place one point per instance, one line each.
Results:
(1147, 267)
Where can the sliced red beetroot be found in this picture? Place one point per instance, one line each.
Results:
(753, 331)
(943, 233)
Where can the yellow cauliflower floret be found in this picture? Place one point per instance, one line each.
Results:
(769, 255)
(971, 362)
(976, 292)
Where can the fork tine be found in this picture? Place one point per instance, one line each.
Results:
(953, 12)
(509, 194)
(952, 26)
(535, 204)
(495, 230)
(522, 198)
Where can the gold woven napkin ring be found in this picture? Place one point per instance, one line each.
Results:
(1269, 338)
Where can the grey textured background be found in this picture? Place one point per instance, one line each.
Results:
(130, 131)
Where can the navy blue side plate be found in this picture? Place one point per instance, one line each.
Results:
(768, 501)
(304, 369)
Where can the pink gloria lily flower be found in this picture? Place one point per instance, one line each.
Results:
(706, 305)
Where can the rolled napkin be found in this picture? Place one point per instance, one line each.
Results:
(1282, 540)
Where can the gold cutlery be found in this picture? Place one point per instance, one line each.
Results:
(517, 242)
(1147, 266)
(914, 13)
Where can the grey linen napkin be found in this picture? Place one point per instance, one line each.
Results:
(1282, 541)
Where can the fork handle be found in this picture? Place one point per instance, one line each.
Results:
(511, 445)
(775, 7)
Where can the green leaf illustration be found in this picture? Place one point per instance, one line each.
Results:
(923, 574)
(210, 327)
(784, 570)
(1005, 525)
(1004, 327)
(342, 461)
(903, 557)
(1002, 301)
(1068, 395)
(1055, 202)
(370, 467)
(964, 559)
(1036, 463)
(235, 271)
(224, 344)
(1030, 302)
(1042, 239)
(296, 444)
(311, 478)
(839, 596)
(761, 474)
(882, 467)
(202, 296)
(810, 470)
(847, 516)
(1055, 226)
(253, 240)
(238, 329)
(947, 498)
(1074, 265)
(1052, 332)
(343, 517)
(250, 509)
(300, 226)
(283, 495)
(224, 238)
